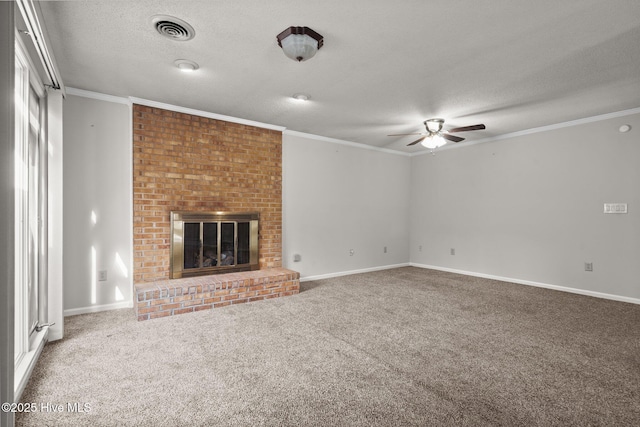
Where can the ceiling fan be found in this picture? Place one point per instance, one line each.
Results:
(436, 137)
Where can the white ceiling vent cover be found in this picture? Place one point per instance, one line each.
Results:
(173, 28)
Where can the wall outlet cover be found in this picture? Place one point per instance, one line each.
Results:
(615, 208)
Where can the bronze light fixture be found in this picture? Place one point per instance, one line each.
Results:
(300, 43)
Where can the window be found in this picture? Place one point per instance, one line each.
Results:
(29, 215)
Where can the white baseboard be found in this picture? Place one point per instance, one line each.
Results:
(97, 308)
(347, 273)
(530, 283)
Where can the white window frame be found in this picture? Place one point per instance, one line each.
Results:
(28, 342)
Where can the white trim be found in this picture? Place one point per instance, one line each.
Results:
(40, 41)
(343, 142)
(22, 170)
(530, 283)
(130, 267)
(55, 277)
(34, 77)
(28, 362)
(98, 308)
(97, 95)
(531, 131)
(133, 100)
(207, 114)
(348, 273)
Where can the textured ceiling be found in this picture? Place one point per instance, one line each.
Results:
(385, 67)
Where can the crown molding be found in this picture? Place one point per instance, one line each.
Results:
(207, 114)
(132, 100)
(577, 122)
(97, 95)
(343, 142)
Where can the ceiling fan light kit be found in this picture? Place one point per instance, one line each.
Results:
(300, 43)
(433, 142)
(436, 137)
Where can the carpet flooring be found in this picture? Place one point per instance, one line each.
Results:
(400, 347)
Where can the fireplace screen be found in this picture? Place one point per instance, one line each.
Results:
(213, 242)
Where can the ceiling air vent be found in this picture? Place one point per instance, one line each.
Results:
(173, 28)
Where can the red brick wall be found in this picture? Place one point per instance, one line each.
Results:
(191, 163)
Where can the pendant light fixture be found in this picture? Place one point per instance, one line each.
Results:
(300, 43)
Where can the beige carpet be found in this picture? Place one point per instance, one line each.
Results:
(398, 347)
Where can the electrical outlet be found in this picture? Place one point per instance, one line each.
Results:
(385, 249)
(453, 251)
(588, 266)
(297, 258)
(351, 252)
(102, 275)
(420, 248)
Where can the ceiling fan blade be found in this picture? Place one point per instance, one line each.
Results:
(416, 141)
(403, 134)
(466, 128)
(452, 137)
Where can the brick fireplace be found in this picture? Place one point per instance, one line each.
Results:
(183, 162)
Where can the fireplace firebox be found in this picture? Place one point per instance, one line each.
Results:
(213, 242)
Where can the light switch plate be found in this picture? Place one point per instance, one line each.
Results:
(615, 208)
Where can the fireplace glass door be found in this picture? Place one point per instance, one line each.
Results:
(214, 244)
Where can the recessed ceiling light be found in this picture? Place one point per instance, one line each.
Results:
(624, 128)
(301, 97)
(186, 65)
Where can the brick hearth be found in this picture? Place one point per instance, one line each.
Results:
(177, 296)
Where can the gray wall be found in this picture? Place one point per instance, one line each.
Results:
(339, 197)
(336, 197)
(531, 208)
(527, 208)
(97, 178)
